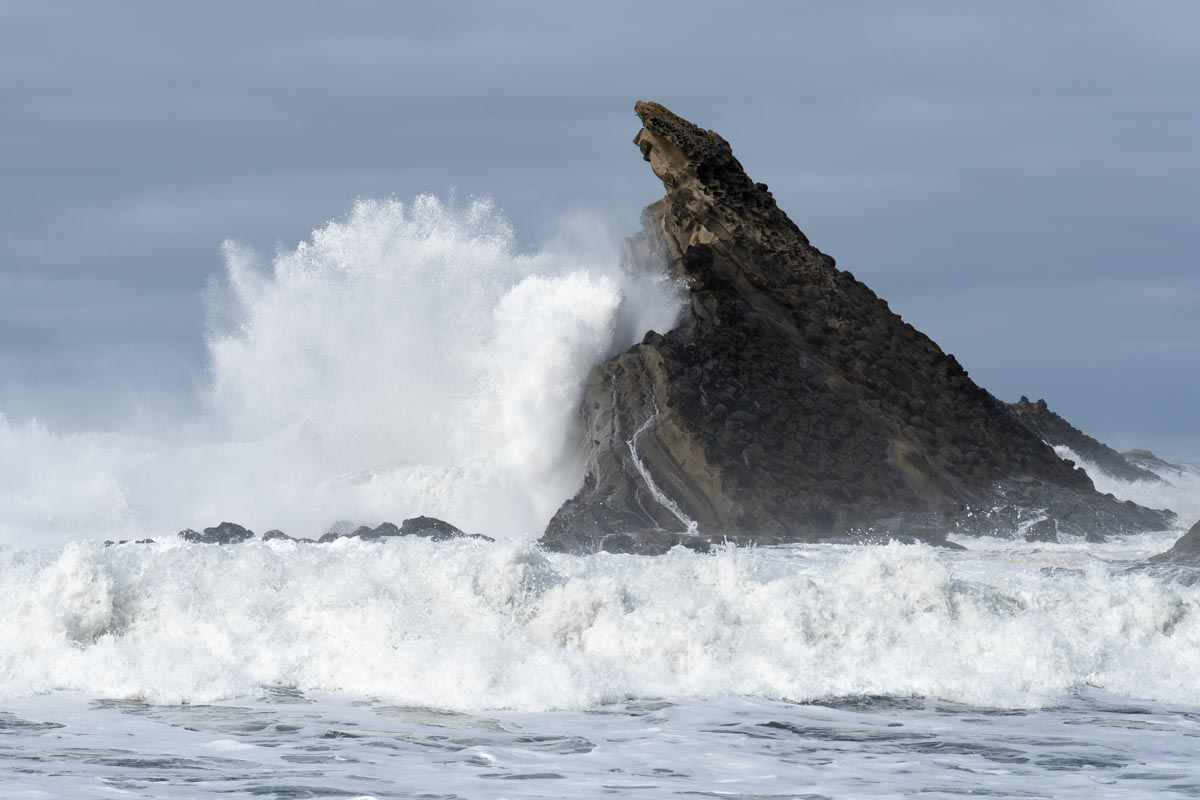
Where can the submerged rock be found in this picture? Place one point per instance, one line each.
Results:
(225, 533)
(1057, 432)
(790, 403)
(1186, 550)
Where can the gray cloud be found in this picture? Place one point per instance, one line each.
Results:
(1019, 179)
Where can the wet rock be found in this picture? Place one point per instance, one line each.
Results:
(430, 527)
(225, 533)
(1186, 550)
(437, 530)
(110, 542)
(789, 403)
(1044, 530)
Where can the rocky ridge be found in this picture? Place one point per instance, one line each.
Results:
(1057, 432)
(790, 403)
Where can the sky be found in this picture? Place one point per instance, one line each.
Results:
(1020, 180)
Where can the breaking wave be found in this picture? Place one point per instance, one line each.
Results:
(411, 359)
(469, 625)
(408, 359)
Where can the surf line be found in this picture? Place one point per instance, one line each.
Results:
(659, 496)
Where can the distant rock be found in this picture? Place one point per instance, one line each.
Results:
(430, 527)
(1149, 461)
(1057, 432)
(110, 542)
(790, 403)
(425, 527)
(225, 533)
(278, 535)
(1186, 550)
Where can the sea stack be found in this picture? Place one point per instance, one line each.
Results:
(790, 403)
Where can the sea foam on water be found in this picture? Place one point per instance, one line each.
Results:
(470, 625)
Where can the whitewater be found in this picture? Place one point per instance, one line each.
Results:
(411, 358)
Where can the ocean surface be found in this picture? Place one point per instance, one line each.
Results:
(411, 359)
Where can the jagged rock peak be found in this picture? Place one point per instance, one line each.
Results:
(790, 403)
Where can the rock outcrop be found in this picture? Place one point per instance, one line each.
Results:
(426, 527)
(790, 403)
(225, 533)
(1186, 550)
(1057, 432)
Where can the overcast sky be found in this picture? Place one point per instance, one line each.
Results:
(1020, 180)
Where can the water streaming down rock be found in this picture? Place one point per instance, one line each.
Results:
(790, 403)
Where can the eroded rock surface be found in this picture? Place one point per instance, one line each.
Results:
(790, 403)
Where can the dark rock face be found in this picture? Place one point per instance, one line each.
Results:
(1186, 550)
(1057, 432)
(225, 533)
(790, 404)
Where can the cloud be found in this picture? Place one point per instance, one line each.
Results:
(938, 151)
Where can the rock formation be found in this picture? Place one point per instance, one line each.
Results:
(1186, 550)
(790, 403)
(1057, 432)
(425, 527)
(225, 533)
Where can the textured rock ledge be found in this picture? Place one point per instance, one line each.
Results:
(790, 403)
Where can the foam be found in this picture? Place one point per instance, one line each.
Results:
(1178, 491)
(408, 359)
(470, 625)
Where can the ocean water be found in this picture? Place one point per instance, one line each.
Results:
(409, 359)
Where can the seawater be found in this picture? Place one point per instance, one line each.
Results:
(410, 359)
(468, 669)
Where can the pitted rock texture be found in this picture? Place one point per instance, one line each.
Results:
(790, 403)
(1057, 432)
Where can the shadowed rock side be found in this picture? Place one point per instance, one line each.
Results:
(790, 403)
(1057, 432)
(1186, 550)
